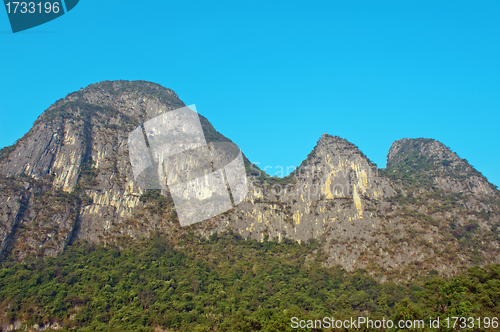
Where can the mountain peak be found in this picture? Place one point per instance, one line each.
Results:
(70, 178)
(427, 160)
(336, 145)
(120, 87)
(137, 100)
(406, 148)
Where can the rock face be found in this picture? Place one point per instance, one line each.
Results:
(434, 159)
(325, 198)
(69, 178)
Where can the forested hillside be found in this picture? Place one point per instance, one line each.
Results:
(223, 283)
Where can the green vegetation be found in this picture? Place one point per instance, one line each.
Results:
(263, 179)
(212, 135)
(146, 88)
(83, 111)
(119, 87)
(270, 181)
(88, 175)
(415, 166)
(158, 202)
(415, 171)
(4, 152)
(223, 283)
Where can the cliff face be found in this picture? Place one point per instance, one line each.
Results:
(76, 164)
(432, 159)
(70, 178)
(329, 197)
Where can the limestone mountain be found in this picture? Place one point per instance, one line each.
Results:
(415, 160)
(69, 178)
(74, 169)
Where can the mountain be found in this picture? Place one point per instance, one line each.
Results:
(70, 179)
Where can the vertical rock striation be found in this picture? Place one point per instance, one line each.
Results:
(69, 178)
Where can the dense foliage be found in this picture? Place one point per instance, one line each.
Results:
(223, 283)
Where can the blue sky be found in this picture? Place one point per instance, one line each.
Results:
(275, 75)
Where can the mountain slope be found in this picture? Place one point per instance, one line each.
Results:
(69, 178)
(75, 165)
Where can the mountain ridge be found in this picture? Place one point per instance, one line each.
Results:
(72, 180)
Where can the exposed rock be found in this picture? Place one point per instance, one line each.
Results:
(69, 178)
(433, 159)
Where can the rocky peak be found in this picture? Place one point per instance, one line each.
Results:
(70, 178)
(336, 144)
(77, 154)
(404, 149)
(85, 124)
(428, 162)
(342, 170)
(135, 101)
(329, 146)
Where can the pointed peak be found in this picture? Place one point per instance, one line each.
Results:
(337, 146)
(329, 139)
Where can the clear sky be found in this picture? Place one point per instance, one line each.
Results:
(275, 75)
